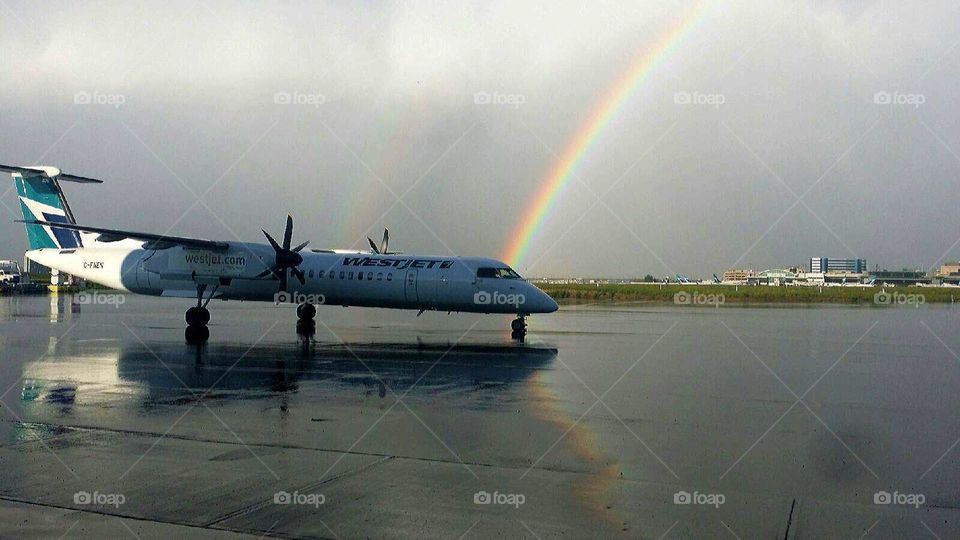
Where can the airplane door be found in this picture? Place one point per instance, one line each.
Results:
(410, 289)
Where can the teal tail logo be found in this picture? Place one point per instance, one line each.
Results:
(42, 199)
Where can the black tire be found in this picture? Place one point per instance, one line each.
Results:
(196, 334)
(518, 335)
(518, 325)
(306, 312)
(306, 327)
(197, 316)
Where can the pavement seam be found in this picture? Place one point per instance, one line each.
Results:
(307, 487)
(135, 518)
(314, 449)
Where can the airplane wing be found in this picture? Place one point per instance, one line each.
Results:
(49, 172)
(154, 241)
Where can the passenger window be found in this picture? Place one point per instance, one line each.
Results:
(360, 276)
(389, 276)
(341, 274)
(320, 274)
(310, 274)
(379, 276)
(349, 275)
(369, 276)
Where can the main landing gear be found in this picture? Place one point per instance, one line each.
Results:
(198, 316)
(305, 323)
(519, 327)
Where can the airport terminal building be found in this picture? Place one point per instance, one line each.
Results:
(830, 264)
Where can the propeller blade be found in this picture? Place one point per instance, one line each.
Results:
(283, 280)
(385, 242)
(373, 245)
(276, 246)
(288, 233)
(301, 246)
(266, 273)
(299, 273)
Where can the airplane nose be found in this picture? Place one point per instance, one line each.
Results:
(550, 303)
(545, 304)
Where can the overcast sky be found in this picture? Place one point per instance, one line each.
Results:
(799, 159)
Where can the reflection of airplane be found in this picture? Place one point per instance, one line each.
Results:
(399, 366)
(174, 266)
(129, 372)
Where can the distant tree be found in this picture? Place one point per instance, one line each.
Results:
(648, 278)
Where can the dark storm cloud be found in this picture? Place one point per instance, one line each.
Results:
(332, 112)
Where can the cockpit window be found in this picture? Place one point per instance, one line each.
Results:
(508, 273)
(497, 273)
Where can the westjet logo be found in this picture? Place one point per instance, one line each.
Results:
(213, 259)
(399, 264)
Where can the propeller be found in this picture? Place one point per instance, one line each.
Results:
(286, 258)
(382, 249)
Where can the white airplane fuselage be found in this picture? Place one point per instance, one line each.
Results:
(398, 281)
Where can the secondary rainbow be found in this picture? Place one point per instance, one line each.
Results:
(603, 111)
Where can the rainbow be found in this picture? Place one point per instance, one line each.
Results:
(604, 110)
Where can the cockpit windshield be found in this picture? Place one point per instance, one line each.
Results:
(497, 273)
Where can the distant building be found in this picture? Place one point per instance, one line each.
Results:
(900, 277)
(737, 274)
(774, 276)
(949, 269)
(834, 265)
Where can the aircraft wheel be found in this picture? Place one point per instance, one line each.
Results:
(306, 327)
(306, 312)
(197, 316)
(196, 334)
(518, 335)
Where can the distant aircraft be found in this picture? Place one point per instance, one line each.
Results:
(716, 279)
(180, 267)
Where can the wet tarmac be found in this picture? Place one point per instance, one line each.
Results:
(610, 421)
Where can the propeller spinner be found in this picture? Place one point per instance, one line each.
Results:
(286, 258)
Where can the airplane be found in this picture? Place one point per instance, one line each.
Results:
(180, 267)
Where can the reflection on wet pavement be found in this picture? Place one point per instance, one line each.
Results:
(387, 425)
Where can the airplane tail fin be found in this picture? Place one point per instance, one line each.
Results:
(41, 199)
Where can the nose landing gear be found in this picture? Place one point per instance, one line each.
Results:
(519, 327)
